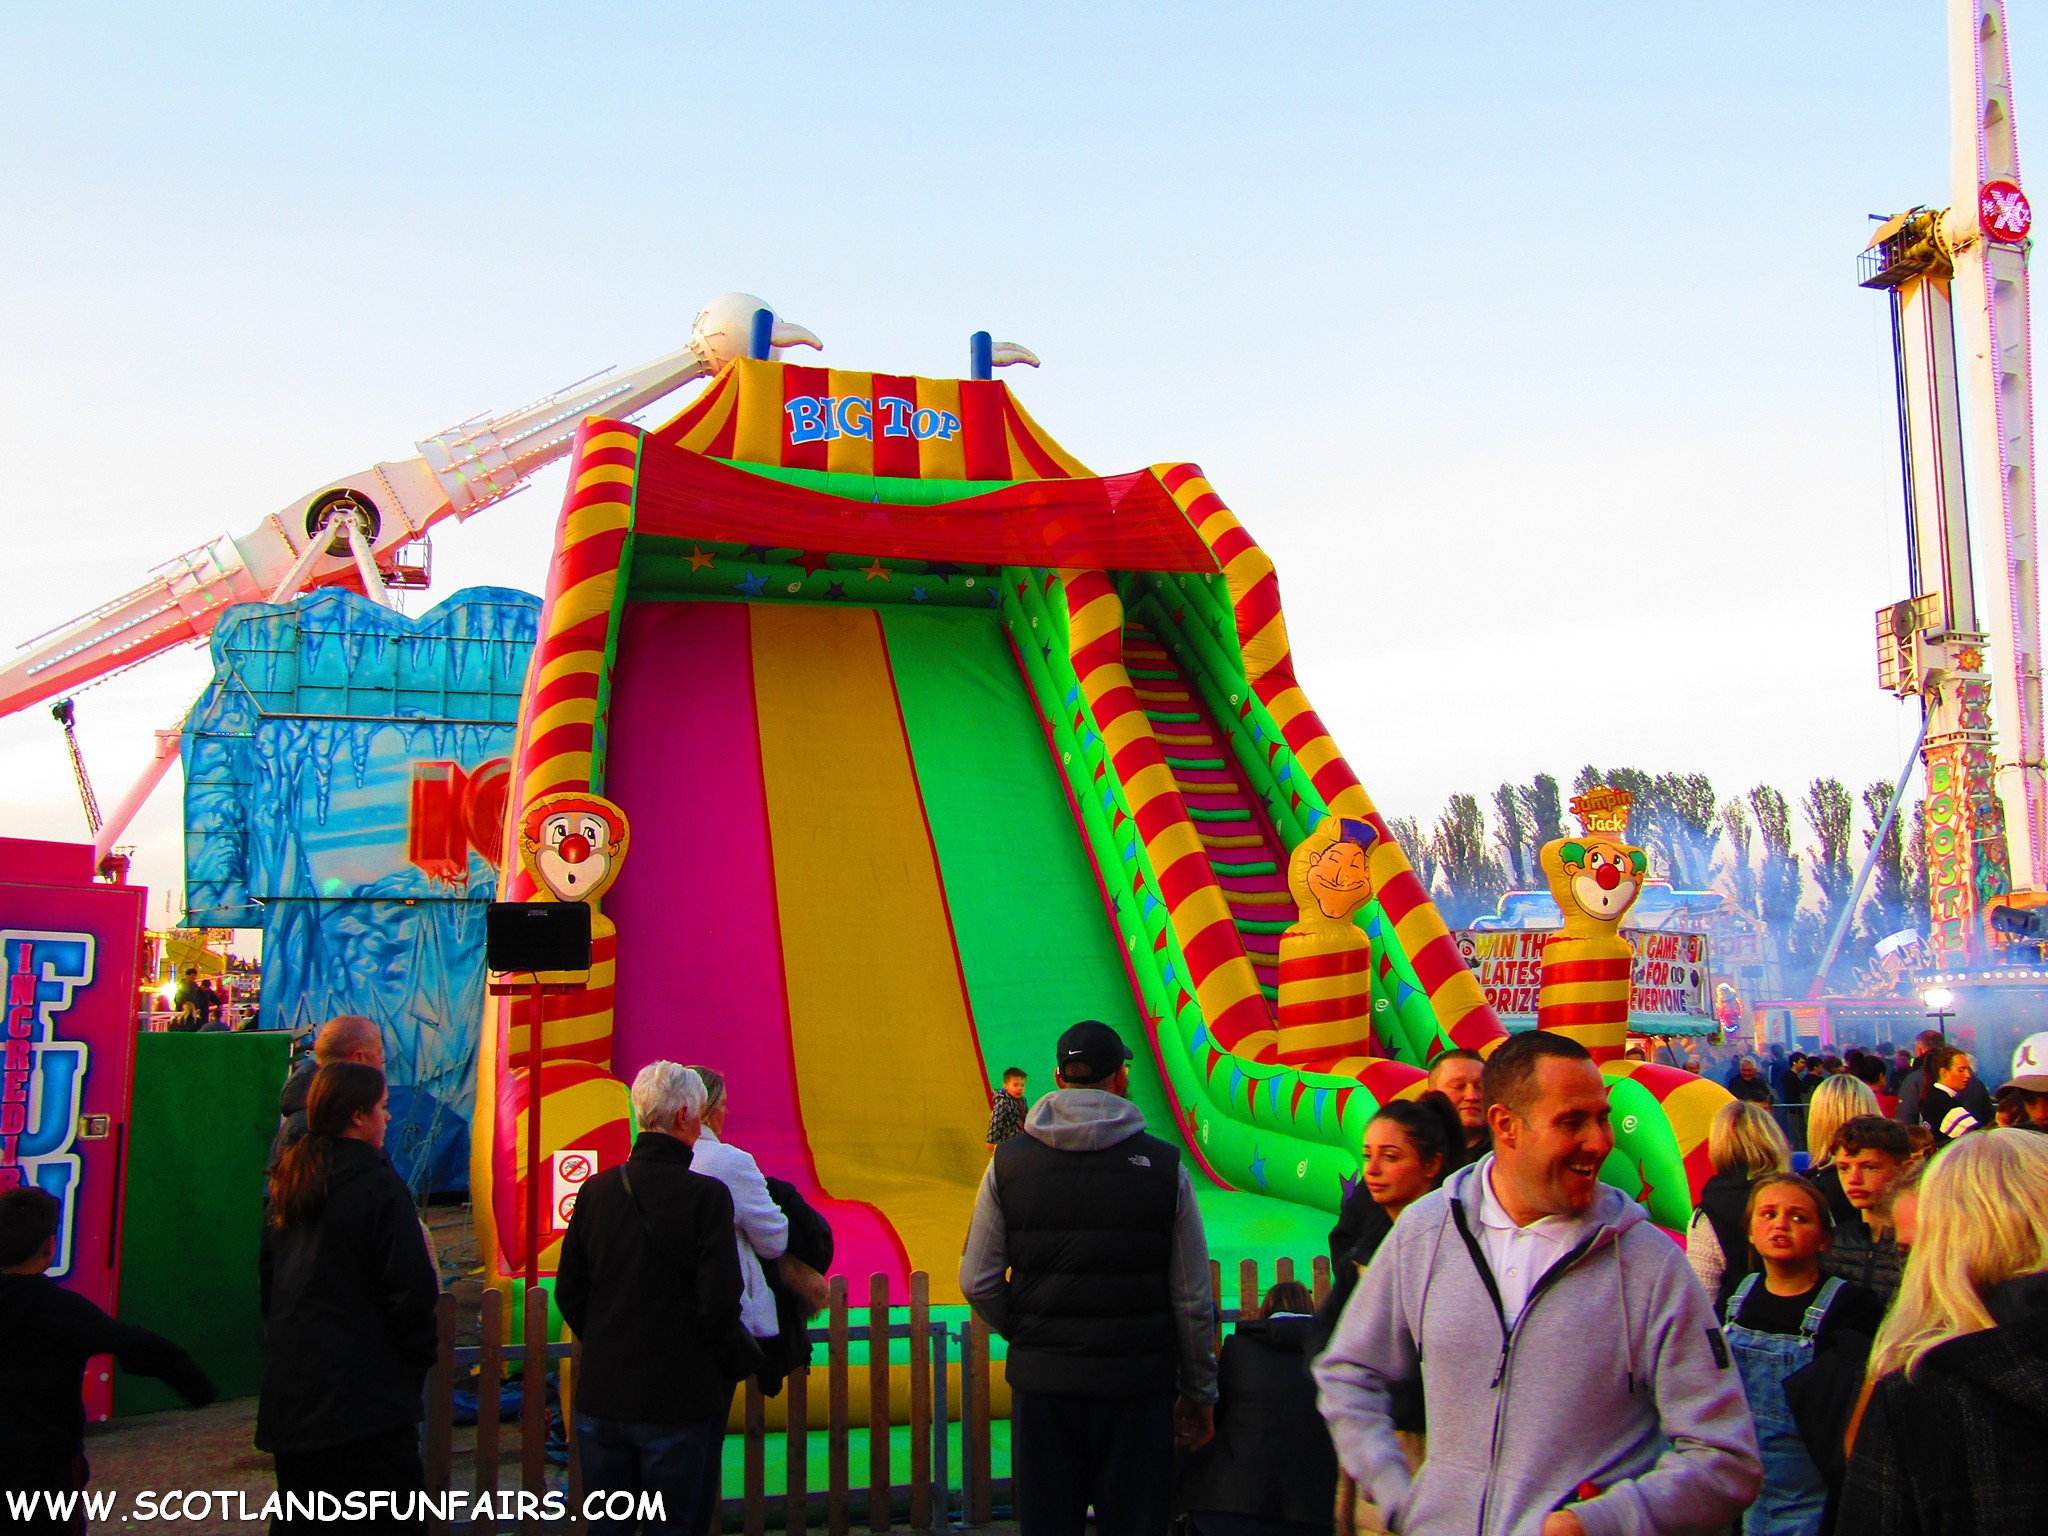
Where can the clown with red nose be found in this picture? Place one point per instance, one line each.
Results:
(573, 844)
(1594, 878)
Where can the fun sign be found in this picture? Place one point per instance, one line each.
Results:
(824, 418)
(42, 1086)
(69, 950)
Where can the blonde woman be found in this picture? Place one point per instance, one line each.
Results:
(1951, 1434)
(1836, 1102)
(1742, 1142)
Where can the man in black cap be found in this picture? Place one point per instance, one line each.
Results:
(1087, 1254)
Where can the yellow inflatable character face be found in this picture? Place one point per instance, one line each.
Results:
(1339, 880)
(1330, 874)
(573, 844)
(1599, 878)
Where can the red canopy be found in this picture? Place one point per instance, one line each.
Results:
(1120, 523)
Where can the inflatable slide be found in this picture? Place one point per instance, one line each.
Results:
(933, 742)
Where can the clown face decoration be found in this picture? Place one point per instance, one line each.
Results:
(573, 844)
(1593, 876)
(1604, 877)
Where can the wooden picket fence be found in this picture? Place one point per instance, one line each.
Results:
(941, 1353)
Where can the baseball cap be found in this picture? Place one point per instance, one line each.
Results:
(1094, 1046)
(2029, 1065)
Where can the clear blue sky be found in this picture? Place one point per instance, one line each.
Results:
(1524, 336)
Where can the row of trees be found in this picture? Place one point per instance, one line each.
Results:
(1746, 846)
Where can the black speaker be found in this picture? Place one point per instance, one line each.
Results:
(521, 936)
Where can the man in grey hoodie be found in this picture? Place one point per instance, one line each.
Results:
(1087, 1254)
(1576, 1381)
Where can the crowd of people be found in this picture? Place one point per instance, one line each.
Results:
(1510, 1346)
(1852, 1334)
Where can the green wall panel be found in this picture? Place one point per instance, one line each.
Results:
(204, 1112)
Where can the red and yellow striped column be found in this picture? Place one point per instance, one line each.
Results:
(1454, 992)
(1584, 992)
(1325, 959)
(1594, 879)
(582, 1104)
(1223, 980)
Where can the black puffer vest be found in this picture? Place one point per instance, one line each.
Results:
(1725, 1198)
(1090, 1237)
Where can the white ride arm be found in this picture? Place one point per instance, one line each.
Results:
(310, 543)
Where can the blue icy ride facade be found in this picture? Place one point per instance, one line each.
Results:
(345, 780)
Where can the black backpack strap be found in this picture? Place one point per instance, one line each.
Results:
(653, 1238)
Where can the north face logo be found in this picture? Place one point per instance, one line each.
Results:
(1139, 1160)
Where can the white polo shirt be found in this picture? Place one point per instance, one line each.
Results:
(1519, 1256)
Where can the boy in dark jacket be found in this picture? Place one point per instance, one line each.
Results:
(51, 1333)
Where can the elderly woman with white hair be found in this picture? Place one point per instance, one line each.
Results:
(650, 1281)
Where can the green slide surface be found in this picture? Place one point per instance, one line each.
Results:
(1035, 943)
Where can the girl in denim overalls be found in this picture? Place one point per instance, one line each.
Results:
(1773, 1321)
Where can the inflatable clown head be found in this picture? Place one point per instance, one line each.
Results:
(1596, 876)
(572, 844)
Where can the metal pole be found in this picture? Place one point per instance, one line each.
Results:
(162, 755)
(316, 545)
(366, 564)
(970, 1459)
(1827, 959)
(533, 1137)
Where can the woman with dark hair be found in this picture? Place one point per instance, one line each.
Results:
(348, 1305)
(1271, 1470)
(1411, 1146)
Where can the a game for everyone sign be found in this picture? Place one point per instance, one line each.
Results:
(70, 946)
(1671, 976)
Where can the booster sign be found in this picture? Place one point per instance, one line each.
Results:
(826, 418)
(42, 1077)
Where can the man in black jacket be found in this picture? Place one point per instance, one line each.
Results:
(1087, 1254)
(650, 1281)
(50, 1334)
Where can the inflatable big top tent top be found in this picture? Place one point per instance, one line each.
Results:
(932, 742)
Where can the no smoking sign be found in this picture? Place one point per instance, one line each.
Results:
(570, 1167)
